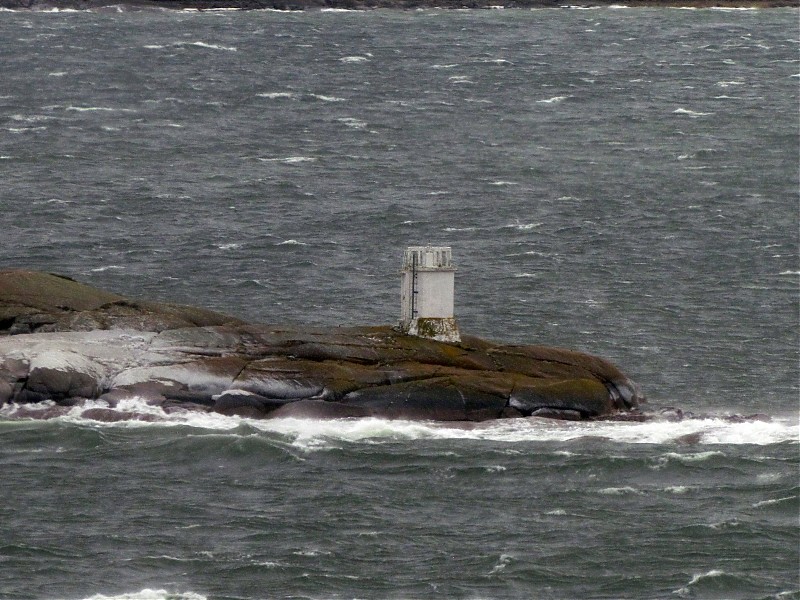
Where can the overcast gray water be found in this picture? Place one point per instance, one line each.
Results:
(618, 181)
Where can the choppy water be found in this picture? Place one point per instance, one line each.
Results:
(618, 181)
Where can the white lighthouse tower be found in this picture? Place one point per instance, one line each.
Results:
(427, 293)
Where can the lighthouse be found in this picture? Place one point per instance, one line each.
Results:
(427, 287)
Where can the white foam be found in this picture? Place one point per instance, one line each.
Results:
(353, 123)
(315, 434)
(458, 79)
(209, 46)
(276, 95)
(774, 501)
(290, 160)
(327, 98)
(148, 594)
(686, 591)
(97, 109)
(107, 268)
(619, 491)
(353, 59)
(690, 113)
(291, 243)
(523, 226)
(553, 100)
(502, 563)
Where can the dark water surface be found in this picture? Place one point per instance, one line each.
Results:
(623, 182)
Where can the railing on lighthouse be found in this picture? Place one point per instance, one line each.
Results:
(427, 293)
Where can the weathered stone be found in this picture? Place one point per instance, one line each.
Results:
(182, 357)
(6, 391)
(31, 301)
(432, 399)
(587, 396)
(245, 404)
(557, 413)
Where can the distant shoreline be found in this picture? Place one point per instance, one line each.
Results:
(43, 5)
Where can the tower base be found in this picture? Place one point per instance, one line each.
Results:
(442, 329)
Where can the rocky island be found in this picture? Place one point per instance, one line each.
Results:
(70, 345)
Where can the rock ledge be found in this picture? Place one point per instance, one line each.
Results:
(69, 343)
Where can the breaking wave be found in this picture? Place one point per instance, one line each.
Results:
(314, 434)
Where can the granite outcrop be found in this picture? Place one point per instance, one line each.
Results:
(66, 344)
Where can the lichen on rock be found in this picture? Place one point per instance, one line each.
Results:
(185, 358)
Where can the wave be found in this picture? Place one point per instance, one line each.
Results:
(553, 100)
(148, 594)
(353, 59)
(690, 113)
(274, 95)
(316, 434)
(289, 160)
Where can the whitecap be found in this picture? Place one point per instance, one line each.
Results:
(451, 229)
(353, 59)
(148, 594)
(107, 268)
(207, 45)
(24, 129)
(523, 226)
(353, 123)
(311, 552)
(686, 590)
(553, 100)
(497, 61)
(97, 109)
(690, 113)
(502, 563)
(291, 243)
(694, 457)
(276, 95)
(774, 501)
(289, 160)
(57, 74)
(789, 273)
(229, 246)
(619, 491)
(501, 183)
(495, 469)
(524, 275)
(327, 98)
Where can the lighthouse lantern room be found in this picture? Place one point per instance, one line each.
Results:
(427, 293)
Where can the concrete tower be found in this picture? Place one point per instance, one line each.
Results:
(427, 293)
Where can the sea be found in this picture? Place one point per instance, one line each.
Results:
(619, 181)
